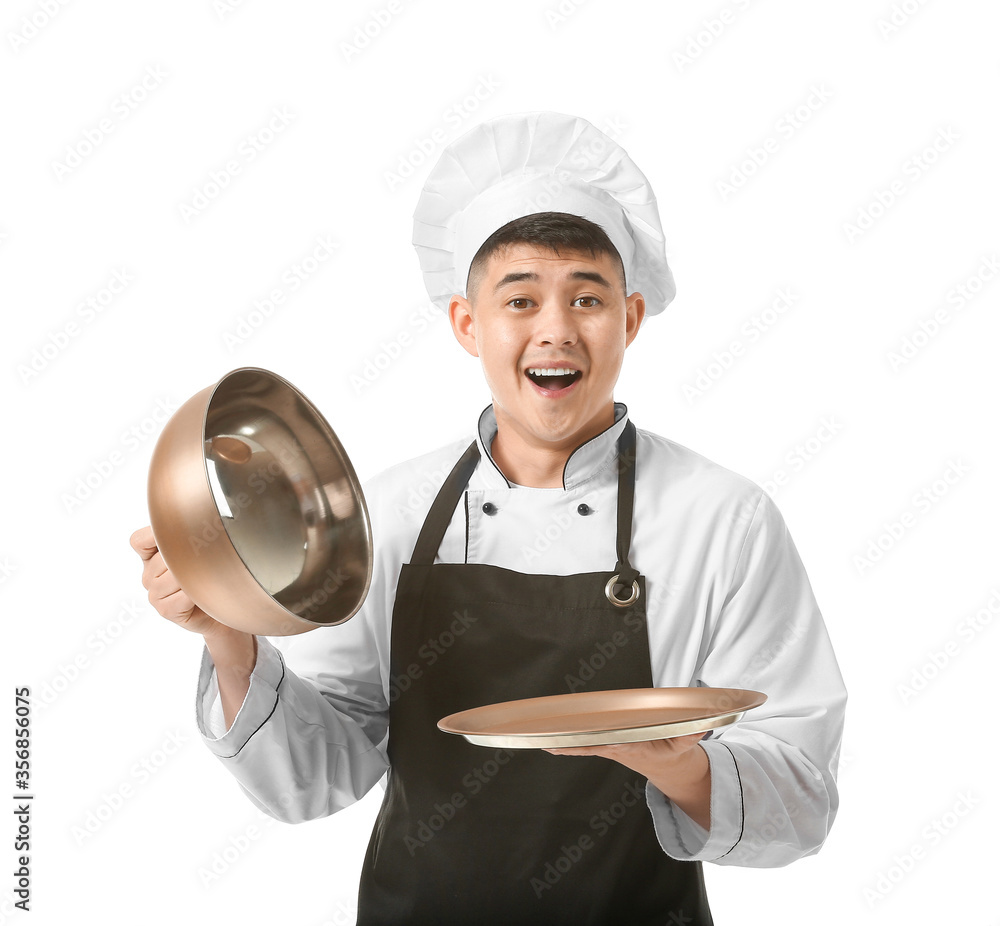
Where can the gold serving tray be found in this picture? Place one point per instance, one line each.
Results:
(600, 718)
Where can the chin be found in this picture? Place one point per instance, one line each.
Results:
(556, 432)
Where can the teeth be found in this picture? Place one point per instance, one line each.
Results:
(549, 371)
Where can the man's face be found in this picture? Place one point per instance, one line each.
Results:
(537, 311)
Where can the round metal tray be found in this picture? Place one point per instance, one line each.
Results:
(600, 718)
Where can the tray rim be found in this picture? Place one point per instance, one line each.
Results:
(632, 734)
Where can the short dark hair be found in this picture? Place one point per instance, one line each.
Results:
(553, 231)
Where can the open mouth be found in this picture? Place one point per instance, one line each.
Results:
(553, 379)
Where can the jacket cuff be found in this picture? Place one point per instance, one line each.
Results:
(258, 705)
(683, 839)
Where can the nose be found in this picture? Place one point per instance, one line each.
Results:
(557, 324)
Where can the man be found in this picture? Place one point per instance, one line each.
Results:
(564, 550)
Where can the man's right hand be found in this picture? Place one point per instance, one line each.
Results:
(165, 592)
(233, 651)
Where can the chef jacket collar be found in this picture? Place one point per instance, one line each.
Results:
(585, 462)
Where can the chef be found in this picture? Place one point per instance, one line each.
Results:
(559, 548)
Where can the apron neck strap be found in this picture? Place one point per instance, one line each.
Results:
(626, 496)
(439, 516)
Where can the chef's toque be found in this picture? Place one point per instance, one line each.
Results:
(523, 163)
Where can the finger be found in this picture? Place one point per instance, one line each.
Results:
(575, 751)
(162, 587)
(153, 569)
(618, 752)
(179, 606)
(689, 740)
(143, 542)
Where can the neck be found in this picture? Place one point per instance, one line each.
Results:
(526, 461)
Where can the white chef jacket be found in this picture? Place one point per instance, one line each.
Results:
(728, 606)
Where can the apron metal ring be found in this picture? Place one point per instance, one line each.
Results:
(609, 591)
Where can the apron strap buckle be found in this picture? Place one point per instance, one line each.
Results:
(622, 578)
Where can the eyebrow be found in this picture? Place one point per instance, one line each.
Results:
(517, 277)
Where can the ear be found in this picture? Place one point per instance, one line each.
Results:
(635, 311)
(463, 324)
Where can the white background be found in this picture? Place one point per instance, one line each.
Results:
(695, 91)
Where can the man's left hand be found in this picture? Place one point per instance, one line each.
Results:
(676, 766)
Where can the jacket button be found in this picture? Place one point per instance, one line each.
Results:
(584, 509)
(489, 508)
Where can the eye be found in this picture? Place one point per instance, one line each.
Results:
(518, 302)
(591, 301)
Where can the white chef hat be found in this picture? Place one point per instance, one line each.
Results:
(523, 163)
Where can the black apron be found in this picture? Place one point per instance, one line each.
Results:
(478, 835)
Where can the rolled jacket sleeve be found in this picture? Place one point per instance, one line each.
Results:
(774, 792)
(304, 744)
(684, 839)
